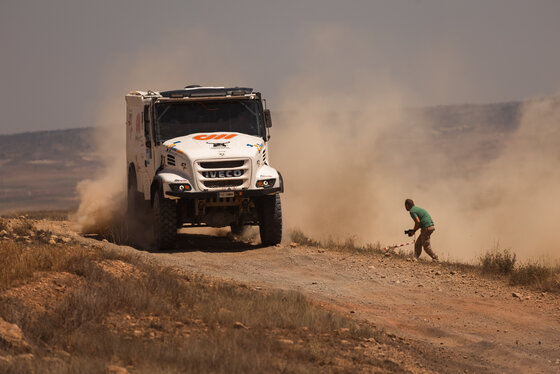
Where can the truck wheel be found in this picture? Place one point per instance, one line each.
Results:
(134, 199)
(165, 222)
(271, 220)
(237, 229)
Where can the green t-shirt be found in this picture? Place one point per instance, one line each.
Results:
(425, 219)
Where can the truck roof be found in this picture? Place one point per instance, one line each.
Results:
(195, 91)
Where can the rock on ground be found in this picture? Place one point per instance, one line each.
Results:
(11, 337)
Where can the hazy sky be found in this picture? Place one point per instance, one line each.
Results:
(64, 62)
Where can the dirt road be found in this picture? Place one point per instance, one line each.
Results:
(462, 321)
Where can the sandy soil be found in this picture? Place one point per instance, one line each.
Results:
(458, 322)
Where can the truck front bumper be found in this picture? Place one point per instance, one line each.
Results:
(220, 194)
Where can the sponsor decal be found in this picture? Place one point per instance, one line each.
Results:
(258, 146)
(214, 136)
(173, 147)
(223, 174)
(219, 145)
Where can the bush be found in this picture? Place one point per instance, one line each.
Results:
(300, 238)
(544, 277)
(498, 261)
(535, 274)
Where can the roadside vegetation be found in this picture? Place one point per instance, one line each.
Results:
(497, 262)
(84, 309)
(503, 263)
(348, 244)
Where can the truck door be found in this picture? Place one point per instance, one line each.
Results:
(146, 164)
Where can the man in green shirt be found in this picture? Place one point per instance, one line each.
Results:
(422, 221)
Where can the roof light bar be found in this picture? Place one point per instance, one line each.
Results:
(197, 91)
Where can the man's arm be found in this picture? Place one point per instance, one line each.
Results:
(416, 223)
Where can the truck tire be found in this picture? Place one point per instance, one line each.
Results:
(271, 220)
(237, 229)
(134, 199)
(164, 221)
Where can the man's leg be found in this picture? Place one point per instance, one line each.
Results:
(427, 233)
(418, 245)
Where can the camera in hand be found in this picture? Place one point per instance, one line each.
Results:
(409, 232)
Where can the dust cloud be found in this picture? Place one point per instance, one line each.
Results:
(348, 173)
(336, 180)
(512, 200)
(102, 198)
(351, 150)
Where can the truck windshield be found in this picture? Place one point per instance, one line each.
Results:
(174, 119)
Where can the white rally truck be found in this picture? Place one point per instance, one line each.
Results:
(198, 156)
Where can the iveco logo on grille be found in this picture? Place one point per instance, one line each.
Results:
(222, 174)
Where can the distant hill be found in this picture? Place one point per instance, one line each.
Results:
(469, 132)
(479, 117)
(40, 170)
(47, 145)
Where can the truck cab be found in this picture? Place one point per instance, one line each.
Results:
(198, 156)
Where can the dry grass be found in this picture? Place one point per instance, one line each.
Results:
(20, 262)
(118, 232)
(165, 321)
(498, 261)
(348, 244)
(503, 263)
(543, 277)
(299, 237)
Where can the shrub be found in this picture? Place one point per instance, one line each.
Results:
(498, 262)
(300, 238)
(544, 277)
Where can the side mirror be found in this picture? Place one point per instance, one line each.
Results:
(267, 118)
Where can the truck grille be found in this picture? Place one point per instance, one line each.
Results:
(223, 183)
(222, 164)
(216, 175)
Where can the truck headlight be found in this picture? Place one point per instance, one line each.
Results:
(266, 183)
(180, 187)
